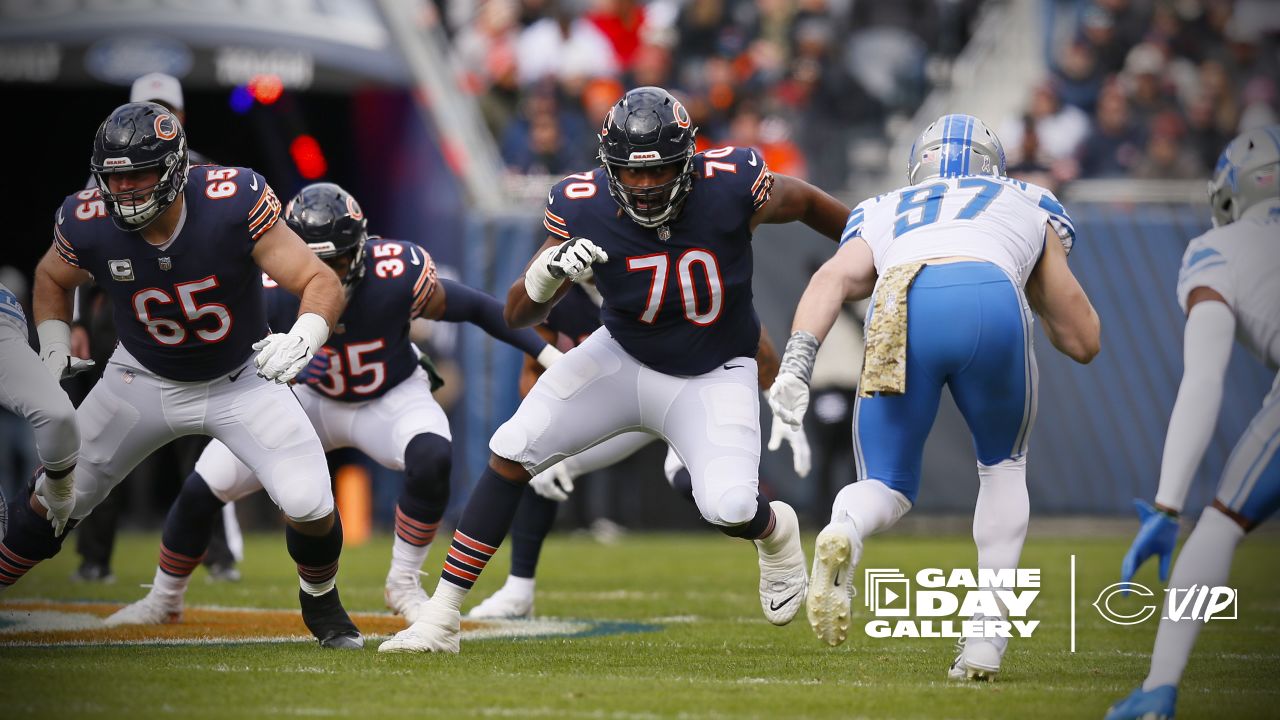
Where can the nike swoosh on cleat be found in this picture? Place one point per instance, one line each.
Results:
(778, 606)
(235, 375)
(730, 367)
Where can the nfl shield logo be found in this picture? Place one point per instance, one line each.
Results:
(664, 233)
(166, 263)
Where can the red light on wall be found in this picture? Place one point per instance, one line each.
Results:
(266, 89)
(308, 157)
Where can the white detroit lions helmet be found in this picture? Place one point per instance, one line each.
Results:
(1247, 174)
(955, 145)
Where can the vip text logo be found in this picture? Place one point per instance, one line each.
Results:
(1198, 602)
(992, 603)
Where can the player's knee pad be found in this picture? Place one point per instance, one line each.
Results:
(870, 505)
(735, 506)
(305, 501)
(511, 441)
(428, 461)
(756, 526)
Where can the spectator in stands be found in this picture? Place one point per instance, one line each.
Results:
(1146, 85)
(1028, 162)
(1078, 77)
(539, 142)
(501, 100)
(1167, 157)
(1098, 31)
(622, 22)
(561, 44)
(1060, 128)
(771, 137)
(1115, 145)
(493, 32)
(1203, 137)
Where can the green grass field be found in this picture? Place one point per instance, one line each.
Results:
(710, 655)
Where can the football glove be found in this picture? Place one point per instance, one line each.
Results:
(570, 260)
(59, 497)
(282, 356)
(1157, 536)
(554, 483)
(789, 399)
(55, 350)
(316, 370)
(798, 441)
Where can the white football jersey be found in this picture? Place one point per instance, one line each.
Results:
(996, 219)
(1241, 261)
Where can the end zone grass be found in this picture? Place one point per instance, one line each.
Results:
(713, 656)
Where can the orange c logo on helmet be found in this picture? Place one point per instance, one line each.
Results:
(608, 120)
(682, 115)
(354, 209)
(166, 128)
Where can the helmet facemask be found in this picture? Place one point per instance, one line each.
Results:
(655, 205)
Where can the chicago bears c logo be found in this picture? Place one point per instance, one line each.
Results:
(682, 115)
(166, 128)
(354, 209)
(608, 120)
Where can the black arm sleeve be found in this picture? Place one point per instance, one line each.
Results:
(463, 303)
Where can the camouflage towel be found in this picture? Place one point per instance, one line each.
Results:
(884, 365)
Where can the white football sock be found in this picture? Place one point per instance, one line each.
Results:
(867, 507)
(168, 586)
(406, 560)
(449, 595)
(518, 585)
(1001, 513)
(1205, 560)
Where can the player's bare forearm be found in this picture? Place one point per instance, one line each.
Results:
(849, 275)
(54, 282)
(1070, 322)
(766, 360)
(793, 199)
(323, 296)
(521, 310)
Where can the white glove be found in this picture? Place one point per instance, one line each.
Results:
(554, 483)
(570, 260)
(59, 497)
(789, 399)
(55, 350)
(798, 441)
(283, 355)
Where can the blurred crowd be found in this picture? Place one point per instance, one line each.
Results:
(799, 79)
(1149, 89)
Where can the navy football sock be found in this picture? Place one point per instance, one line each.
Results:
(484, 523)
(428, 461)
(28, 540)
(533, 522)
(316, 556)
(188, 527)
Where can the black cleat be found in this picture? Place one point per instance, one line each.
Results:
(329, 622)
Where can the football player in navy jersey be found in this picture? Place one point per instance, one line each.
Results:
(364, 389)
(667, 232)
(570, 322)
(179, 252)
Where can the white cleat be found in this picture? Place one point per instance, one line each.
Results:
(405, 598)
(507, 603)
(977, 658)
(150, 610)
(438, 629)
(783, 577)
(831, 589)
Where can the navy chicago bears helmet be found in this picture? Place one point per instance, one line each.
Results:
(331, 223)
(648, 127)
(140, 136)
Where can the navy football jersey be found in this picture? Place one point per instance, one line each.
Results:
(192, 309)
(677, 298)
(369, 349)
(575, 316)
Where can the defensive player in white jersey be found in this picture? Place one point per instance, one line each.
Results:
(27, 390)
(1229, 287)
(966, 249)
(179, 251)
